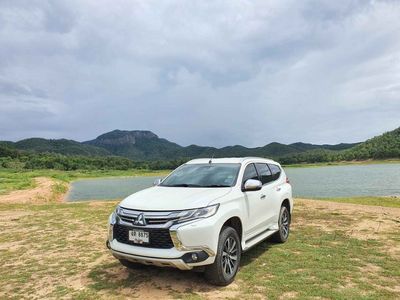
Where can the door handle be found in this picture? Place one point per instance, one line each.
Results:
(262, 197)
(278, 189)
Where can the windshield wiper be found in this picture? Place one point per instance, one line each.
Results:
(196, 185)
(184, 185)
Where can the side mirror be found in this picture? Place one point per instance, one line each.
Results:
(252, 185)
(157, 181)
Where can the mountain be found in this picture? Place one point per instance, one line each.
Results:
(136, 144)
(142, 145)
(61, 146)
(145, 145)
(7, 144)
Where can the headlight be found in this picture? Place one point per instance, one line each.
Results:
(113, 217)
(112, 220)
(198, 213)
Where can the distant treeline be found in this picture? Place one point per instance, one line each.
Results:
(386, 146)
(14, 159)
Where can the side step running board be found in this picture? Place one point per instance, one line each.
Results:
(258, 238)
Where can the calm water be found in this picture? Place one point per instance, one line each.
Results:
(333, 181)
(108, 188)
(342, 181)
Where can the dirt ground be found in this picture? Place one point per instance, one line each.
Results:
(373, 222)
(43, 192)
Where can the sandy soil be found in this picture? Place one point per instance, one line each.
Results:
(41, 193)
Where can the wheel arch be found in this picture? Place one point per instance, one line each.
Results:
(286, 203)
(236, 223)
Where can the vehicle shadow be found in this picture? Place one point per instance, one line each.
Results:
(110, 275)
(147, 281)
(249, 256)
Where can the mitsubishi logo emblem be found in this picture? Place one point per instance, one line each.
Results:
(140, 220)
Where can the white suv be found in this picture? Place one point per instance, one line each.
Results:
(204, 214)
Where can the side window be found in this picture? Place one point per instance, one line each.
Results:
(276, 171)
(250, 173)
(265, 173)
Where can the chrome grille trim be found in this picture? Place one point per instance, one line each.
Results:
(154, 219)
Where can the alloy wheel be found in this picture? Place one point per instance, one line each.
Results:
(229, 256)
(285, 220)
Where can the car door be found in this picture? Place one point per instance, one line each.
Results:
(277, 192)
(252, 201)
(267, 197)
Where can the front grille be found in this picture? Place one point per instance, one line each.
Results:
(165, 218)
(149, 220)
(159, 237)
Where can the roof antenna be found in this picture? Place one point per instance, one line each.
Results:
(210, 161)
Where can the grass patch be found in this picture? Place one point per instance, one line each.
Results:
(369, 200)
(60, 252)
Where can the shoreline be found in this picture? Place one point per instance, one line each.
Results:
(343, 163)
(49, 190)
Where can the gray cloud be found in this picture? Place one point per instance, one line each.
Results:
(215, 73)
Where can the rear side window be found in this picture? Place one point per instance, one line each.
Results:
(276, 171)
(264, 172)
(250, 173)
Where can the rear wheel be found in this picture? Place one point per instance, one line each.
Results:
(223, 271)
(282, 234)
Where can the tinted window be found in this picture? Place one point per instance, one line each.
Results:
(250, 173)
(276, 171)
(203, 175)
(264, 172)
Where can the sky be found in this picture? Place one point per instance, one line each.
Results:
(211, 73)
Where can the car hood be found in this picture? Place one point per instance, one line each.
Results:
(160, 198)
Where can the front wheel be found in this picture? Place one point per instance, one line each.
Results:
(223, 271)
(282, 234)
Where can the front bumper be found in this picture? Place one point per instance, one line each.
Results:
(194, 244)
(182, 262)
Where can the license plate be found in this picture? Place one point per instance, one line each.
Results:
(139, 236)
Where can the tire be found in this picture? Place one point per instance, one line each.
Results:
(131, 265)
(223, 271)
(282, 234)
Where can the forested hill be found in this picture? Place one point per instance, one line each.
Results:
(120, 149)
(384, 146)
(145, 145)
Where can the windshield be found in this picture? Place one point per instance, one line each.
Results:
(203, 175)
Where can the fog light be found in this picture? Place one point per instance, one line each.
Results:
(194, 257)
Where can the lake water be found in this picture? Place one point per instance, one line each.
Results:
(313, 182)
(108, 188)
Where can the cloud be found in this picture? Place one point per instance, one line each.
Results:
(220, 73)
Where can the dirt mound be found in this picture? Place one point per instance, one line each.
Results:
(43, 192)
